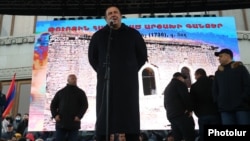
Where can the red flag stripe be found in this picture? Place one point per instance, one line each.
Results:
(8, 109)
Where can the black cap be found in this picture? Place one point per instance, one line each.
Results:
(177, 74)
(227, 51)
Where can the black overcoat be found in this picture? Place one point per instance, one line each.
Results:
(127, 55)
(177, 99)
(69, 102)
(231, 87)
(201, 93)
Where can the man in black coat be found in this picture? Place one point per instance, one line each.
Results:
(127, 54)
(9, 133)
(231, 89)
(23, 125)
(68, 108)
(2, 106)
(178, 105)
(204, 106)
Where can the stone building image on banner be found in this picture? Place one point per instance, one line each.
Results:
(166, 56)
(68, 53)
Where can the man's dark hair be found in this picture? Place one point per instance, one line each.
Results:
(109, 7)
(8, 118)
(211, 77)
(201, 72)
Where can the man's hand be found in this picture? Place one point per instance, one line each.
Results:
(189, 114)
(57, 118)
(77, 118)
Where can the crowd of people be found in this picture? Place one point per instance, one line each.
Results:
(145, 135)
(223, 99)
(15, 129)
(116, 53)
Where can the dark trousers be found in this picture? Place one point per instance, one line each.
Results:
(129, 137)
(183, 128)
(207, 120)
(235, 118)
(66, 135)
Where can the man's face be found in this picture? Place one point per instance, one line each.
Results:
(112, 137)
(224, 58)
(72, 79)
(25, 117)
(197, 76)
(122, 137)
(10, 128)
(114, 14)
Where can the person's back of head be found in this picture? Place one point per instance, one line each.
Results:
(18, 136)
(144, 137)
(170, 136)
(180, 76)
(200, 73)
(30, 136)
(211, 77)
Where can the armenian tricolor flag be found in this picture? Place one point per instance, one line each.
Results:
(10, 97)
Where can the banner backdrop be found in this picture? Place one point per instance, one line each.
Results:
(174, 44)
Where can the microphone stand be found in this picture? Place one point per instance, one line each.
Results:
(107, 79)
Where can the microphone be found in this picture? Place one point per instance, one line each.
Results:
(111, 23)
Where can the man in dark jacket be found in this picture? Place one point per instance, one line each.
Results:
(178, 105)
(9, 133)
(204, 106)
(68, 108)
(127, 53)
(2, 106)
(231, 89)
(23, 125)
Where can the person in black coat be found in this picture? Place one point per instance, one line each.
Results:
(204, 106)
(178, 105)
(2, 106)
(23, 125)
(231, 89)
(9, 133)
(68, 108)
(128, 53)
